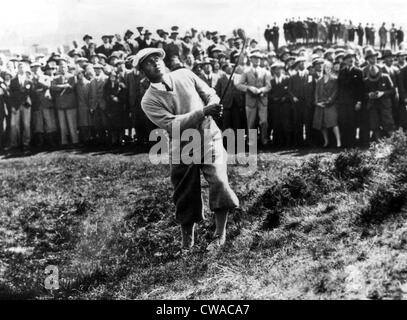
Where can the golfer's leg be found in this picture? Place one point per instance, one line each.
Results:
(188, 200)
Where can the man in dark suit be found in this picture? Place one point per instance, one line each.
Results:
(350, 96)
(275, 36)
(267, 36)
(297, 87)
(232, 101)
(106, 48)
(147, 42)
(20, 91)
(403, 96)
(279, 107)
(360, 33)
(85, 49)
(390, 69)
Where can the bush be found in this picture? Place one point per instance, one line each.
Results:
(354, 168)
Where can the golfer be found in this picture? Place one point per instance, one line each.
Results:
(180, 100)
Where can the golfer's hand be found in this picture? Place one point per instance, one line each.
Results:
(215, 110)
(358, 106)
(295, 99)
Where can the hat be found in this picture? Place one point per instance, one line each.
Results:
(193, 30)
(339, 50)
(206, 60)
(139, 29)
(174, 28)
(277, 64)
(144, 53)
(339, 55)
(387, 53)
(401, 53)
(330, 50)
(35, 65)
(216, 49)
(271, 54)
(147, 32)
(317, 61)
(97, 66)
(128, 32)
(255, 54)
(119, 61)
(289, 58)
(187, 35)
(298, 60)
(370, 52)
(253, 40)
(318, 48)
(101, 55)
(81, 59)
(86, 36)
(227, 64)
(349, 53)
(107, 36)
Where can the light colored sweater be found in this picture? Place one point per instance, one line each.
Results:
(183, 105)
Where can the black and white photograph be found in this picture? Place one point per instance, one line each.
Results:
(203, 155)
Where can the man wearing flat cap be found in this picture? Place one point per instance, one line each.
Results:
(175, 102)
(350, 97)
(255, 82)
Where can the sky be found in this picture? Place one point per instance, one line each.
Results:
(50, 22)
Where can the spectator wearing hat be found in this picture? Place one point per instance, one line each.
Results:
(268, 36)
(118, 44)
(63, 91)
(255, 82)
(147, 41)
(83, 95)
(275, 36)
(403, 90)
(106, 48)
(43, 108)
(115, 95)
(401, 59)
(298, 87)
(326, 114)
(85, 48)
(208, 76)
(350, 97)
(393, 34)
(130, 46)
(279, 106)
(390, 69)
(383, 36)
(371, 57)
(98, 111)
(360, 32)
(139, 38)
(400, 36)
(379, 89)
(187, 45)
(5, 110)
(20, 101)
(232, 100)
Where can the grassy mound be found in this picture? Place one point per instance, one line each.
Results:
(309, 227)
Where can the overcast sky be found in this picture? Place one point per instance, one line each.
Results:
(24, 22)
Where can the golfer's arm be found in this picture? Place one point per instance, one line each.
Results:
(207, 94)
(167, 121)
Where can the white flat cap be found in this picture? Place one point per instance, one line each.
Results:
(144, 53)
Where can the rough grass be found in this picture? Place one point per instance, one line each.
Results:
(311, 226)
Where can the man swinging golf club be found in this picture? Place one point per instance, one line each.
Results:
(180, 100)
